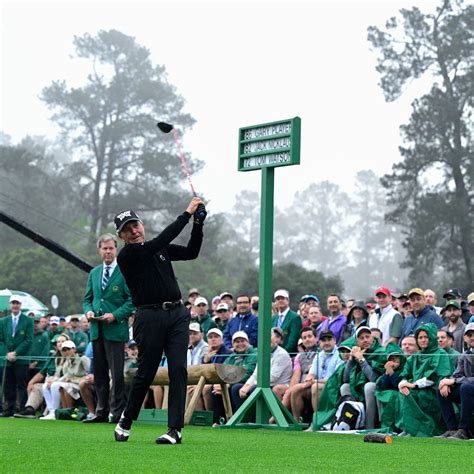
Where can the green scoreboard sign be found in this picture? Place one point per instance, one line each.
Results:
(270, 144)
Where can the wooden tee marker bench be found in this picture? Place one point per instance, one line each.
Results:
(199, 375)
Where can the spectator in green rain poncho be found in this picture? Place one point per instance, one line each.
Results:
(420, 413)
(330, 396)
(366, 364)
(386, 391)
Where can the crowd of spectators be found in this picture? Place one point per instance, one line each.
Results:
(407, 362)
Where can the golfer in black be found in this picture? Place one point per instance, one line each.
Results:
(162, 321)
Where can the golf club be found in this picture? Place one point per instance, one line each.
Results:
(167, 128)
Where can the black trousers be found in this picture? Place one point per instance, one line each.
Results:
(16, 381)
(155, 331)
(109, 356)
(463, 395)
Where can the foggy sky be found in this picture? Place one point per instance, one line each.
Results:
(236, 64)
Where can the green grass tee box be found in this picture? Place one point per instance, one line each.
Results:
(48, 446)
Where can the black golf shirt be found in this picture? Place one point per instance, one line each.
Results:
(147, 267)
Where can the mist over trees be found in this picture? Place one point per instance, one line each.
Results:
(120, 158)
(431, 189)
(408, 228)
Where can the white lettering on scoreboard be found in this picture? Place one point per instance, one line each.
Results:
(262, 132)
(266, 160)
(270, 145)
(267, 145)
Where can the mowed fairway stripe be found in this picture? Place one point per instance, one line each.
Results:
(43, 446)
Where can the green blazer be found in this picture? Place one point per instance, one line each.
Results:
(40, 348)
(115, 298)
(291, 330)
(22, 342)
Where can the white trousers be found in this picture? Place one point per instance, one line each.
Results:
(51, 396)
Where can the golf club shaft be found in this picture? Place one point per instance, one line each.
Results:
(183, 162)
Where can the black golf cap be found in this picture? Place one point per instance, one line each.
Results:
(456, 292)
(123, 218)
(164, 127)
(327, 335)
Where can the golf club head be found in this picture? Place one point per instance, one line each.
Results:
(164, 127)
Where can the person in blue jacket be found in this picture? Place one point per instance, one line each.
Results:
(421, 313)
(244, 320)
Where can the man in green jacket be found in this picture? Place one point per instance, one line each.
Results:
(16, 333)
(79, 337)
(39, 349)
(287, 320)
(202, 316)
(365, 366)
(108, 305)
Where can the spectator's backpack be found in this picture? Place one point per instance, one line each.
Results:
(350, 415)
(77, 414)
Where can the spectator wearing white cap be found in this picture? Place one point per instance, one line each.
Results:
(16, 334)
(216, 354)
(215, 302)
(287, 320)
(197, 346)
(243, 320)
(222, 315)
(202, 315)
(50, 372)
(64, 391)
(54, 327)
(244, 355)
(228, 299)
(281, 370)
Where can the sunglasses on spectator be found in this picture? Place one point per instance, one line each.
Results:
(201, 304)
(222, 311)
(66, 349)
(243, 302)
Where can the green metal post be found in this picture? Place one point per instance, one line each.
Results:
(263, 402)
(265, 288)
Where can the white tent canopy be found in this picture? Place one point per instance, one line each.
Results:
(28, 302)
